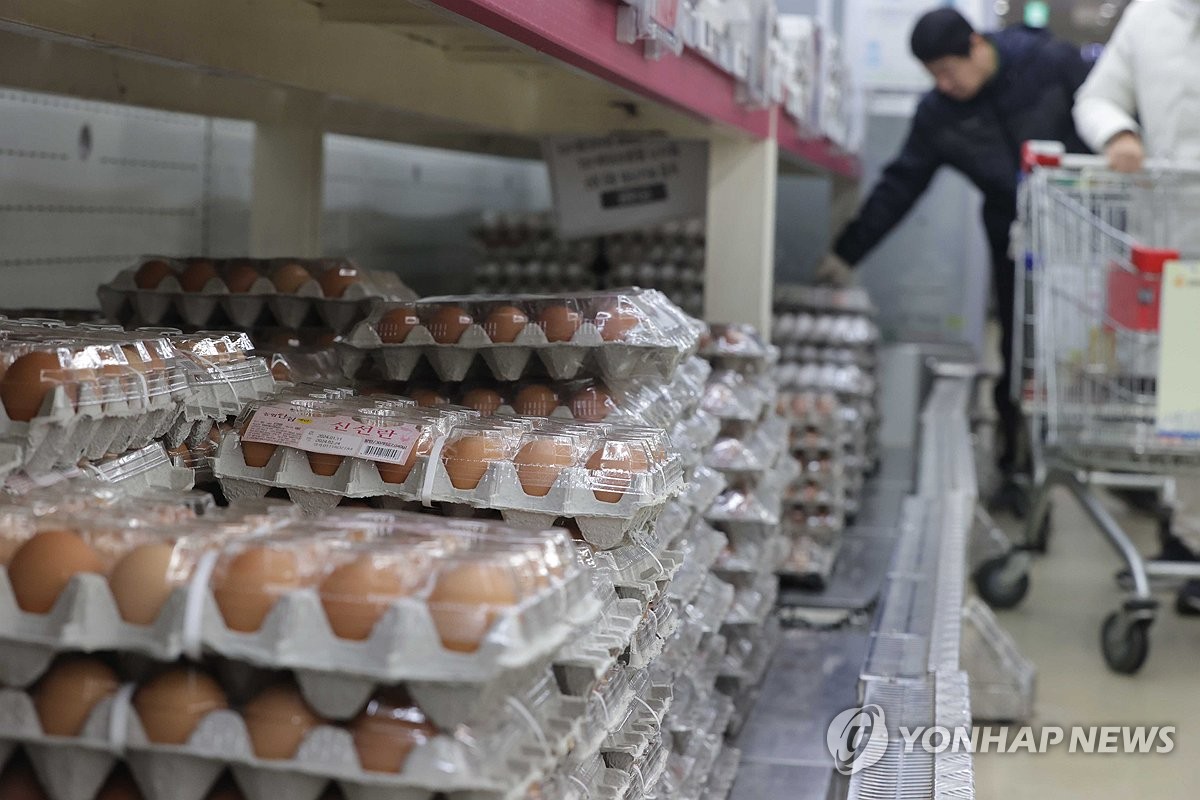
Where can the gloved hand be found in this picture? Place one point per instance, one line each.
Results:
(834, 271)
(1125, 152)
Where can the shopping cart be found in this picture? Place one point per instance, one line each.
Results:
(1087, 339)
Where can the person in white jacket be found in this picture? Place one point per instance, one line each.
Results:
(1142, 99)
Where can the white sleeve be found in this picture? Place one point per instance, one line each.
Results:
(1106, 103)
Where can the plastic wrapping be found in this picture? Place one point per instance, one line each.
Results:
(634, 400)
(732, 396)
(614, 335)
(611, 479)
(291, 290)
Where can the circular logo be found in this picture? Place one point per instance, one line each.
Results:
(857, 738)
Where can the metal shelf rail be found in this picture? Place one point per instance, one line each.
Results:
(913, 669)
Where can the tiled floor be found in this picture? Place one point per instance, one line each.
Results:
(1057, 627)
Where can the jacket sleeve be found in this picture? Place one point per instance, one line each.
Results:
(1107, 102)
(898, 189)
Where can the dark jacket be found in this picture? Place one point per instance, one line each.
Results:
(1030, 97)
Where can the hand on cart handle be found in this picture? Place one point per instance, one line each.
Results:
(1125, 153)
(834, 271)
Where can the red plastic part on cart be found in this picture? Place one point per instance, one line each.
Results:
(1133, 296)
(1041, 153)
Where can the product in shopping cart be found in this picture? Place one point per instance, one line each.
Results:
(612, 334)
(292, 290)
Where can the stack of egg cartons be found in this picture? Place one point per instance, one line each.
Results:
(110, 401)
(751, 453)
(563, 409)
(828, 388)
(522, 253)
(668, 257)
(357, 654)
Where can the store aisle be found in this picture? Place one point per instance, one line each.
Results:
(1058, 628)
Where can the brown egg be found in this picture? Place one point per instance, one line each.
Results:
(427, 398)
(592, 404)
(277, 720)
(385, 734)
(18, 781)
(483, 399)
(540, 462)
(140, 582)
(467, 459)
(616, 320)
(504, 324)
(256, 454)
(281, 372)
(612, 466)
(120, 786)
(356, 595)
(396, 324)
(43, 566)
(535, 400)
(560, 322)
(398, 473)
(250, 583)
(466, 599)
(29, 379)
(172, 705)
(67, 694)
(289, 277)
(324, 464)
(448, 324)
(240, 274)
(152, 273)
(197, 274)
(336, 280)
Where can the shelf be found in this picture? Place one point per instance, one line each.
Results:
(480, 75)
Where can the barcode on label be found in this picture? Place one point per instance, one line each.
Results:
(387, 453)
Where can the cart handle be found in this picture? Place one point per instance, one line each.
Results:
(1038, 153)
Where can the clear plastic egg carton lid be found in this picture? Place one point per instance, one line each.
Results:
(732, 396)
(825, 330)
(820, 298)
(617, 334)
(611, 479)
(178, 734)
(242, 288)
(149, 467)
(735, 341)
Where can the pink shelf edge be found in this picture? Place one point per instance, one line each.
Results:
(582, 34)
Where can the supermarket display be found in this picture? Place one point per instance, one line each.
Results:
(522, 254)
(828, 391)
(244, 292)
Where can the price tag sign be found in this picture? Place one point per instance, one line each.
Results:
(621, 182)
(338, 436)
(1179, 331)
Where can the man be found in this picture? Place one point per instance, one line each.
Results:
(992, 93)
(1142, 100)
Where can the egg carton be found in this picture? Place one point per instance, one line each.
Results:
(121, 298)
(143, 470)
(73, 768)
(12, 457)
(643, 568)
(226, 394)
(720, 779)
(704, 486)
(337, 675)
(648, 642)
(704, 545)
(752, 605)
(748, 669)
(693, 435)
(605, 525)
(585, 354)
(749, 458)
(736, 401)
(687, 771)
(65, 432)
(711, 605)
(748, 559)
(608, 708)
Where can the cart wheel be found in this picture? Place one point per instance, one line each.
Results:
(998, 585)
(1125, 642)
(1041, 542)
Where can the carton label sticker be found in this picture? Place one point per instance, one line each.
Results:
(338, 435)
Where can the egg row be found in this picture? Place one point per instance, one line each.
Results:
(468, 573)
(248, 275)
(634, 316)
(835, 329)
